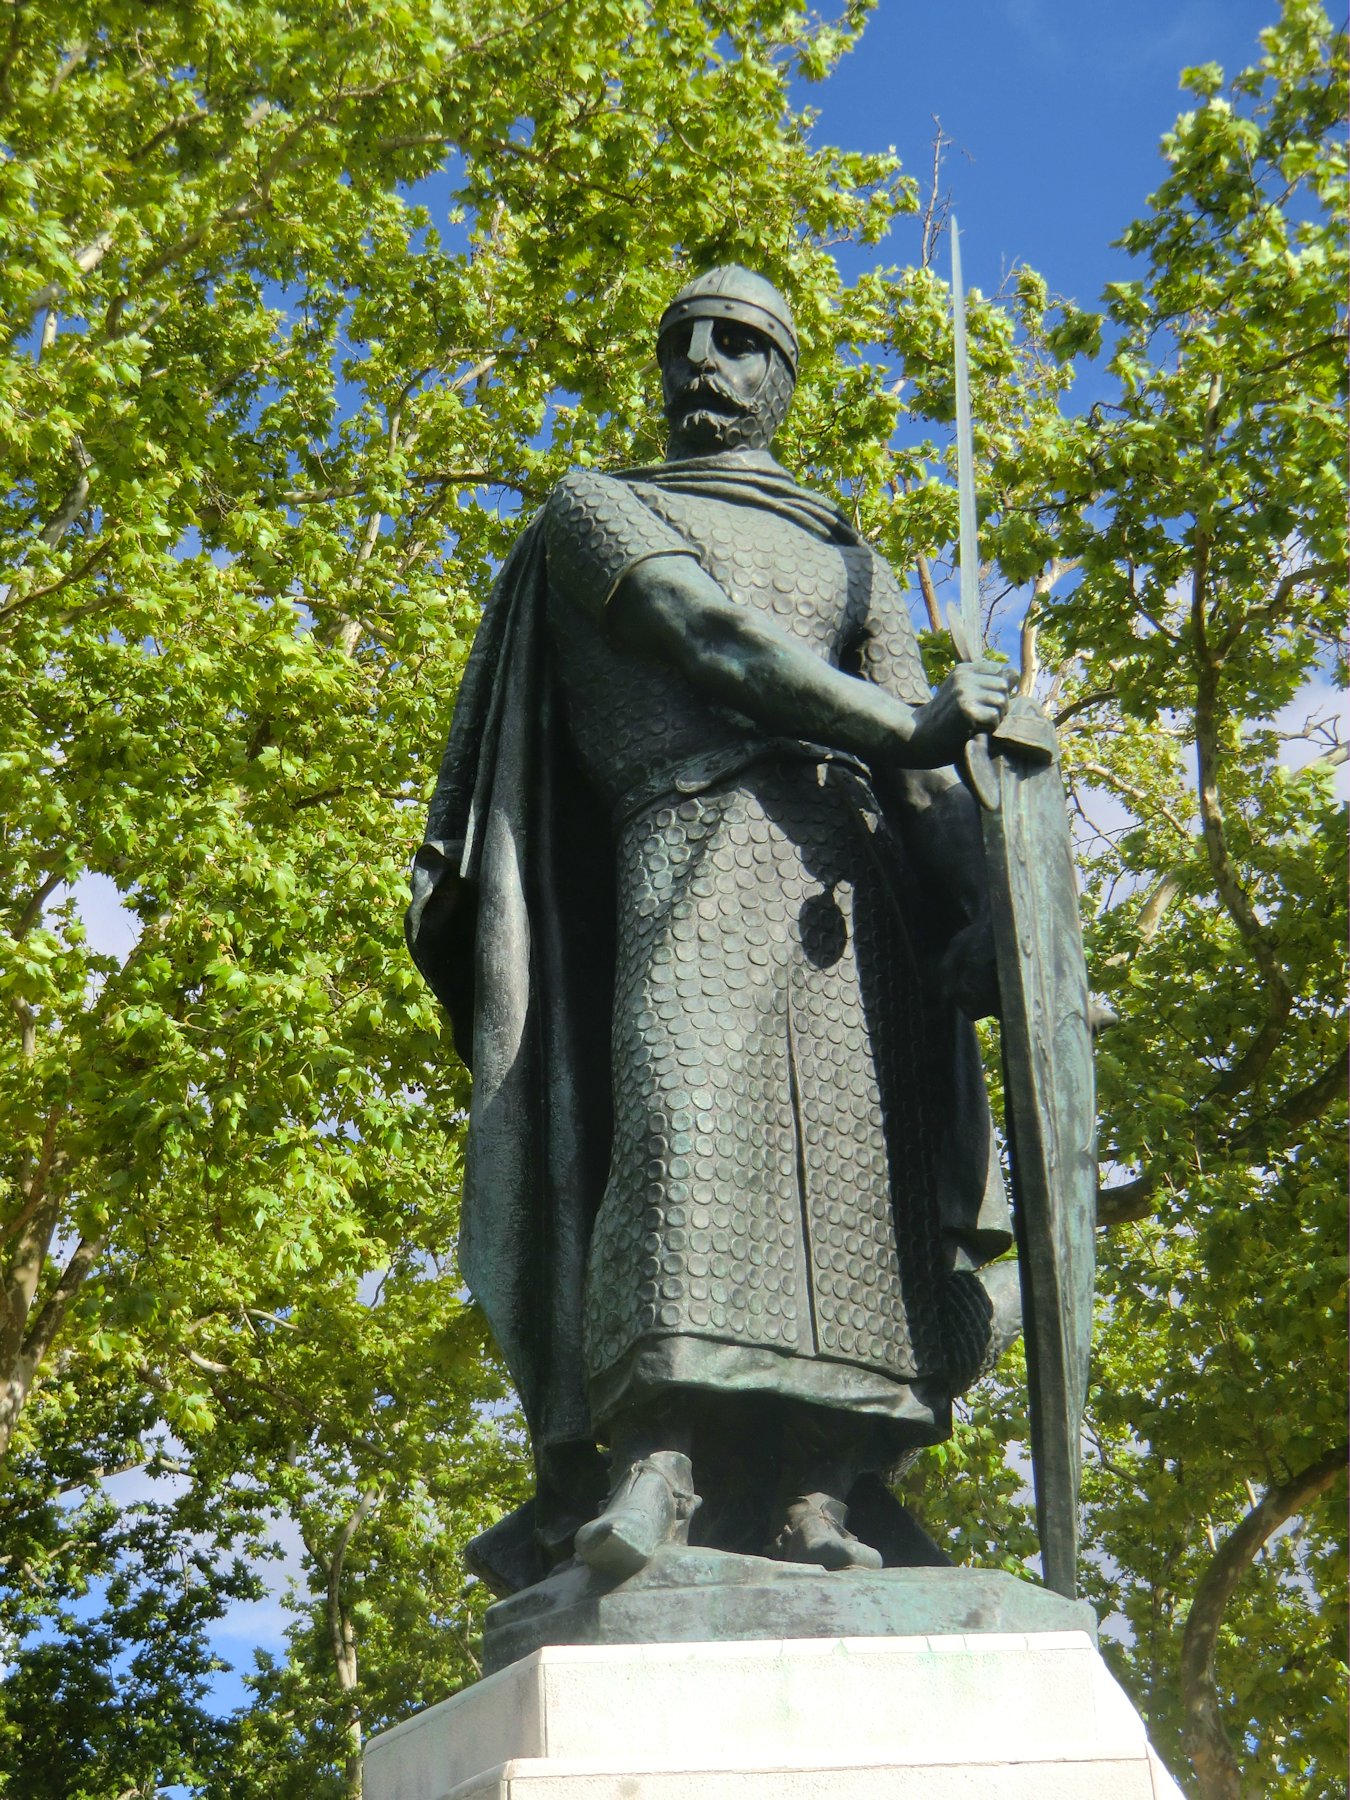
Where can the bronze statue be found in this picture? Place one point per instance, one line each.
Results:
(707, 903)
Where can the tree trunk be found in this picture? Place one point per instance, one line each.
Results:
(25, 1339)
(342, 1640)
(1217, 1774)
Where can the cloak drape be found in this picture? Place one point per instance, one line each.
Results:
(511, 924)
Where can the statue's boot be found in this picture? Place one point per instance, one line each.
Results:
(651, 1505)
(814, 1532)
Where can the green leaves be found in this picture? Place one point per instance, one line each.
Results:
(292, 295)
(1212, 567)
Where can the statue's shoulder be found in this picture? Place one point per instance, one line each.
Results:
(589, 499)
(584, 496)
(597, 527)
(582, 486)
(876, 573)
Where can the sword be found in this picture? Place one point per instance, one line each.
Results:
(1022, 729)
(964, 625)
(1047, 1059)
(969, 544)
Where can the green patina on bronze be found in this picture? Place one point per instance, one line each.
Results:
(709, 908)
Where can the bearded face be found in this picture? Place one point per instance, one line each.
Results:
(726, 387)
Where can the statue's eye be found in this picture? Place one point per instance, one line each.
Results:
(735, 341)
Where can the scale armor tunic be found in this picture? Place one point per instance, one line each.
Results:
(770, 1221)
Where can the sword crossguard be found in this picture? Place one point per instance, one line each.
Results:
(1027, 732)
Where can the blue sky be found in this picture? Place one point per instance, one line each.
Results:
(1055, 109)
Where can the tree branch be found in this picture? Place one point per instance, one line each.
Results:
(49, 1320)
(1156, 907)
(353, 490)
(1207, 1745)
(1028, 656)
(1308, 1103)
(1128, 1202)
(1300, 1107)
(342, 1635)
(1118, 783)
(77, 54)
(73, 504)
(1082, 704)
(1269, 609)
(936, 207)
(346, 632)
(36, 1184)
(27, 596)
(929, 592)
(11, 51)
(32, 911)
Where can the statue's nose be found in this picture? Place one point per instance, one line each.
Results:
(700, 342)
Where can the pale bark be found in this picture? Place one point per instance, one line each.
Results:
(72, 506)
(1156, 907)
(347, 631)
(929, 592)
(1129, 790)
(24, 1344)
(1027, 649)
(1217, 1772)
(30, 1320)
(936, 205)
(342, 1633)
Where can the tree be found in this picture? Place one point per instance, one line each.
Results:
(381, 1427)
(262, 427)
(1204, 510)
(267, 430)
(106, 1608)
(1181, 555)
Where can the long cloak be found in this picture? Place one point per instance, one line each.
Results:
(511, 924)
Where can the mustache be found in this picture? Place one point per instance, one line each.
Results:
(705, 388)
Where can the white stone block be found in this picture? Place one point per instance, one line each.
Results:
(527, 1780)
(1009, 1717)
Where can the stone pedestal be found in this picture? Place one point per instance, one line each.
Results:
(982, 1716)
(697, 1596)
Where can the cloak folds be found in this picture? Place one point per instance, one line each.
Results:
(511, 924)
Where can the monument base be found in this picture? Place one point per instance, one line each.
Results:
(697, 1596)
(1001, 1717)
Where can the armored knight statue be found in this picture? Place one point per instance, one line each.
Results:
(704, 897)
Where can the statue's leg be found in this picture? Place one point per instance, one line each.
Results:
(823, 1455)
(652, 1498)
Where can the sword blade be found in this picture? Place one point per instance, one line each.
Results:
(969, 547)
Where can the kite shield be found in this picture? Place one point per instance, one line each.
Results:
(1049, 1096)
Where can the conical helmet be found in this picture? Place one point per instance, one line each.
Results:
(731, 292)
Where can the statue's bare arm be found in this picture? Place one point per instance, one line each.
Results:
(670, 608)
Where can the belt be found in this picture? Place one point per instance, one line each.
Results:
(695, 774)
